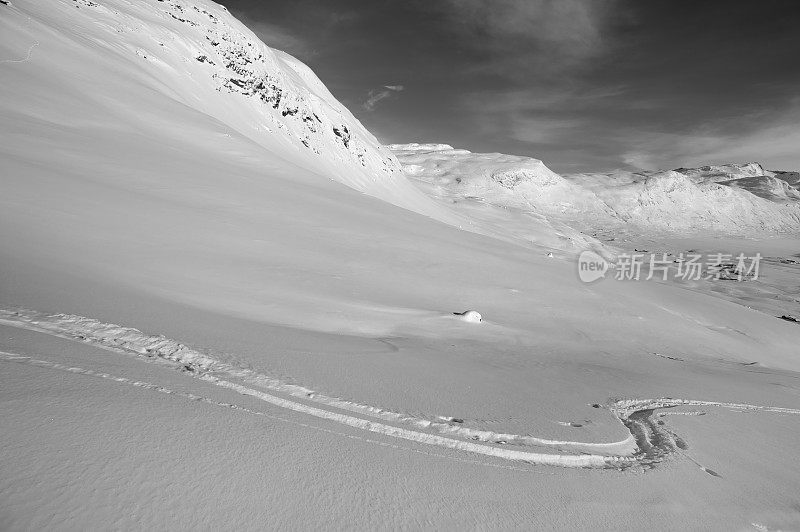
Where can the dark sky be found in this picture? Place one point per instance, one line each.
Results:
(583, 85)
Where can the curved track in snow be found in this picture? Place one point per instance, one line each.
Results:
(649, 441)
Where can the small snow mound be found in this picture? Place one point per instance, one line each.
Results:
(470, 316)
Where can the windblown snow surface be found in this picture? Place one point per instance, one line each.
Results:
(223, 304)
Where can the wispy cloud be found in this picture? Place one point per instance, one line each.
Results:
(376, 95)
(528, 85)
(536, 115)
(585, 85)
(550, 34)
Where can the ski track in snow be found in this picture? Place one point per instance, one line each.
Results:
(21, 359)
(649, 442)
(127, 340)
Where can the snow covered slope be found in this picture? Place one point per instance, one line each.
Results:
(778, 187)
(226, 331)
(727, 199)
(675, 202)
(506, 196)
(108, 55)
(496, 178)
(724, 172)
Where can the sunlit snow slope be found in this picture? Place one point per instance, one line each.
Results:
(121, 62)
(160, 147)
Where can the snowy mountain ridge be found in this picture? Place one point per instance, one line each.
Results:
(507, 180)
(733, 198)
(196, 53)
(674, 202)
(723, 172)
